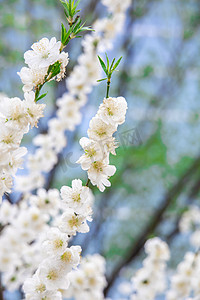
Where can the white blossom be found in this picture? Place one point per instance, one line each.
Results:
(43, 54)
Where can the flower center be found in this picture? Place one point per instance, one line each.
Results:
(76, 197)
(58, 243)
(98, 166)
(90, 152)
(52, 275)
(67, 257)
(41, 288)
(73, 221)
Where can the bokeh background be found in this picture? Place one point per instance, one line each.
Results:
(158, 159)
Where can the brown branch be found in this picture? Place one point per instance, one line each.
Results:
(153, 223)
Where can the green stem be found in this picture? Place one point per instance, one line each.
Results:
(88, 182)
(108, 88)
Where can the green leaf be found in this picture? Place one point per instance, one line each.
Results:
(54, 70)
(86, 29)
(117, 63)
(65, 5)
(37, 94)
(101, 79)
(67, 37)
(108, 63)
(76, 26)
(103, 65)
(112, 63)
(41, 97)
(63, 34)
(75, 7)
(70, 8)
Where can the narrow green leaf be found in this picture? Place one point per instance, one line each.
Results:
(54, 70)
(63, 34)
(77, 26)
(117, 63)
(76, 4)
(86, 29)
(112, 63)
(37, 94)
(66, 14)
(70, 8)
(65, 5)
(41, 97)
(103, 65)
(108, 63)
(101, 79)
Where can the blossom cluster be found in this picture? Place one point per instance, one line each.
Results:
(79, 83)
(88, 282)
(20, 248)
(145, 282)
(190, 223)
(101, 142)
(16, 117)
(44, 54)
(53, 272)
(39, 215)
(186, 281)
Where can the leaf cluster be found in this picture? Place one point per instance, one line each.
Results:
(109, 68)
(53, 70)
(76, 26)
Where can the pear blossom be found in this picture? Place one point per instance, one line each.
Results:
(79, 84)
(145, 281)
(63, 59)
(69, 112)
(43, 54)
(15, 160)
(99, 130)
(70, 258)
(9, 138)
(99, 172)
(53, 274)
(88, 282)
(56, 242)
(113, 110)
(71, 222)
(94, 151)
(78, 197)
(35, 288)
(31, 78)
(7, 212)
(5, 184)
(34, 110)
(46, 201)
(13, 113)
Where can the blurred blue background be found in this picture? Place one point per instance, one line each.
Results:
(159, 143)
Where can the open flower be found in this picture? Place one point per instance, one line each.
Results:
(99, 130)
(44, 53)
(99, 174)
(78, 197)
(113, 110)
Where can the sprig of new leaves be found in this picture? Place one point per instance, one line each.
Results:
(75, 28)
(109, 69)
(53, 71)
(75, 23)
